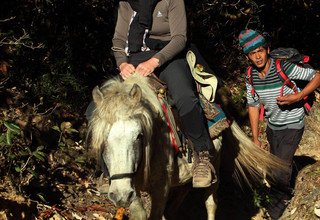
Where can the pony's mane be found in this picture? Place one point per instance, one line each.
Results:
(117, 102)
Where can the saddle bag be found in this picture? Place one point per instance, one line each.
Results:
(206, 87)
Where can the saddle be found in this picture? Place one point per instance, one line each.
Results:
(157, 85)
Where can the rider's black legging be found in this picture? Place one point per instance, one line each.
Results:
(181, 87)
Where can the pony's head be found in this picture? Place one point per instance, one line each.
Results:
(121, 130)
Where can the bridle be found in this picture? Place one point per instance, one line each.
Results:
(121, 176)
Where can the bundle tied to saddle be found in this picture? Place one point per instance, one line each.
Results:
(207, 84)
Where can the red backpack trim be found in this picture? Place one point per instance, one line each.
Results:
(290, 84)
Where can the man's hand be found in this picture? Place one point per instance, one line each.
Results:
(126, 69)
(147, 67)
(258, 143)
(289, 99)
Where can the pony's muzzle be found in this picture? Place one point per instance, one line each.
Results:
(121, 196)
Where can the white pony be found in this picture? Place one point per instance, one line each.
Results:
(130, 136)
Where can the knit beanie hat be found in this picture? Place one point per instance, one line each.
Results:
(250, 40)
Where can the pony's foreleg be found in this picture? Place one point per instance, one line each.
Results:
(211, 206)
(137, 211)
(211, 193)
(212, 200)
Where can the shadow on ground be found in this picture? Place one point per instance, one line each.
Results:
(233, 203)
(300, 162)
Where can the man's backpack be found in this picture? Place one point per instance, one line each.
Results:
(291, 55)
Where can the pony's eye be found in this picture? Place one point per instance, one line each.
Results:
(139, 137)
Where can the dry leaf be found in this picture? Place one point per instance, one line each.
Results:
(119, 214)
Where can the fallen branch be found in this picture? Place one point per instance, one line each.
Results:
(20, 41)
(8, 19)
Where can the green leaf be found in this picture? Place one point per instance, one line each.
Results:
(40, 195)
(56, 128)
(72, 130)
(11, 156)
(39, 155)
(40, 148)
(18, 169)
(24, 153)
(12, 127)
(80, 159)
(9, 137)
(3, 138)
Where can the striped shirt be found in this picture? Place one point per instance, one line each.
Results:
(267, 89)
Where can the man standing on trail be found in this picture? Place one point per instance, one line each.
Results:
(284, 114)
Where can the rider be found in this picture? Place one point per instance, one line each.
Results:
(150, 37)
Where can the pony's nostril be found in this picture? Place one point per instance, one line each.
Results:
(112, 196)
(130, 196)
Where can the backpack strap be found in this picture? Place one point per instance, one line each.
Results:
(249, 72)
(289, 83)
(285, 79)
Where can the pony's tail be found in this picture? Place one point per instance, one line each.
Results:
(252, 162)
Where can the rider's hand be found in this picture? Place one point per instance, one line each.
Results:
(147, 67)
(126, 69)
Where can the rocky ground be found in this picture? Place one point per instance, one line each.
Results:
(306, 201)
(66, 186)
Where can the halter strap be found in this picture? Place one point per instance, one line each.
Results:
(121, 176)
(124, 175)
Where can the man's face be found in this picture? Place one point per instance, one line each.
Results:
(259, 57)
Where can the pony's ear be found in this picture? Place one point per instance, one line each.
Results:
(135, 93)
(97, 95)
